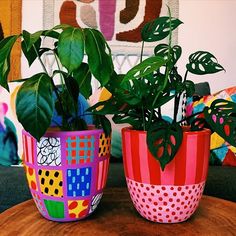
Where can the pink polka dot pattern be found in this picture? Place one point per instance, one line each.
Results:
(165, 203)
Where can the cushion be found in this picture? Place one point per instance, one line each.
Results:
(221, 152)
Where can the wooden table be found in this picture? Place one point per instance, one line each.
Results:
(116, 216)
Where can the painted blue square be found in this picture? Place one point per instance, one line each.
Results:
(79, 182)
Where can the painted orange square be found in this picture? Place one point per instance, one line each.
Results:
(89, 153)
(82, 144)
(73, 162)
(81, 161)
(73, 153)
(73, 144)
(81, 153)
(89, 144)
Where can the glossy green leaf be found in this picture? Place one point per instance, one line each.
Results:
(83, 77)
(34, 104)
(221, 116)
(99, 55)
(33, 52)
(5, 51)
(202, 63)
(164, 140)
(146, 67)
(31, 39)
(189, 88)
(159, 28)
(71, 48)
(162, 50)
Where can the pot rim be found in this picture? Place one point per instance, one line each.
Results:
(186, 132)
(51, 133)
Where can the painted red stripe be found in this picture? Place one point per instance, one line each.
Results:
(206, 157)
(128, 154)
(33, 151)
(135, 155)
(155, 169)
(124, 153)
(168, 175)
(191, 159)
(99, 175)
(105, 173)
(26, 149)
(200, 158)
(180, 163)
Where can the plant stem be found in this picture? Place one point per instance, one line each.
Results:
(185, 76)
(53, 84)
(143, 116)
(142, 48)
(58, 65)
(186, 118)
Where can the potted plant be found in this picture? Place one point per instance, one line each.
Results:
(165, 161)
(66, 165)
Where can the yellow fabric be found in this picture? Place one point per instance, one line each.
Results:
(216, 141)
(10, 18)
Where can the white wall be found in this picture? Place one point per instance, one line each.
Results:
(208, 25)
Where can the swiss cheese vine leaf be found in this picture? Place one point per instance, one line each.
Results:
(159, 28)
(202, 63)
(164, 139)
(221, 116)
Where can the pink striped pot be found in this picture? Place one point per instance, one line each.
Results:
(171, 195)
(67, 172)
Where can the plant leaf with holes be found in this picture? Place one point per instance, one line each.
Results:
(162, 50)
(202, 63)
(144, 68)
(221, 116)
(164, 139)
(34, 104)
(159, 28)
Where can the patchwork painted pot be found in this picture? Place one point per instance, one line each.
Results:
(67, 172)
(171, 195)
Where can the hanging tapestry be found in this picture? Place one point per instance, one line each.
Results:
(10, 21)
(119, 20)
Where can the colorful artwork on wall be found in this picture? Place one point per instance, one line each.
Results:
(11, 20)
(119, 20)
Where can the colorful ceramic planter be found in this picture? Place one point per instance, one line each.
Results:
(171, 195)
(67, 172)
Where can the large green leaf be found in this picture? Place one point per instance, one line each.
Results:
(71, 48)
(99, 55)
(164, 139)
(83, 77)
(221, 116)
(32, 53)
(34, 104)
(31, 39)
(146, 67)
(159, 28)
(202, 63)
(5, 51)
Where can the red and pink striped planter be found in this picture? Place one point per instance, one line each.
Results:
(171, 195)
(67, 172)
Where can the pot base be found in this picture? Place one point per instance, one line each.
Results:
(165, 203)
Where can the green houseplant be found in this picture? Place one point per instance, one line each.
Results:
(162, 154)
(66, 168)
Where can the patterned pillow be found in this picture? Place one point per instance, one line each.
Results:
(221, 152)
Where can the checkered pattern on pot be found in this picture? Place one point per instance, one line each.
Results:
(80, 149)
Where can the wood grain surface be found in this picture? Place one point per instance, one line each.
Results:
(116, 216)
